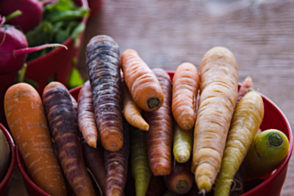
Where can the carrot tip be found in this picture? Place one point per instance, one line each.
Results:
(146, 127)
(92, 142)
(182, 186)
(112, 143)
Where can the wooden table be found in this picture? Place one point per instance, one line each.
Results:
(166, 33)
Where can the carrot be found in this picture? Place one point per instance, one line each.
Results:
(246, 85)
(180, 180)
(103, 64)
(267, 152)
(186, 82)
(156, 186)
(141, 82)
(245, 124)
(94, 161)
(160, 134)
(116, 164)
(28, 124)
(131, 111)
(218, 96)
(86, 116)
(182, 144)
(63, 123)
(139, 161)
(74, 103)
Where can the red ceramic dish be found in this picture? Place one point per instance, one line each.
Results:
(5, 183)
(272, 186)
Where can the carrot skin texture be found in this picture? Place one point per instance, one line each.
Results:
(160, 134)
(94, 161)
(245, 124)
(116, 164)
(180, 180)
(131, 111)
(103, 65)
(156, 186)
(63, 123)
(186, 82)
(182, 144)
(218, 96)
(86, 116)
(28, 124)
(141, 81)
(139, 161)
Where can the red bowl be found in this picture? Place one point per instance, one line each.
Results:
(273, 118)
(5, 183)
(95, 6)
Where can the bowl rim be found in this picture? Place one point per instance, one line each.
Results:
(84, 3)
(12, 158)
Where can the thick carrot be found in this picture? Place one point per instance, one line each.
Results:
(246, 85)
(218, 96)
(86, 116)
(180, 180)
(103, 64)
(63, 123)
(182, 144)
(156, 186)
(186, 82)
(268, 151)
(131, 111)
(94, 161)
(139, 161)
(28, 124)
(116, 164)
(160, 134)
(245, 124)
(141, 82)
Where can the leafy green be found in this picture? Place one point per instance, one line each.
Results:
(61, 20)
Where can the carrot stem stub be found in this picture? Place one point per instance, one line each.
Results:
(63, 123)
(103, 64)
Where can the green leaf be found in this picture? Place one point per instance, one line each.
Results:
(77, 32)
(75, 79)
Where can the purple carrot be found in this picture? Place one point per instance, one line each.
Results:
(116, 164)
(64, 130)
(86, 115)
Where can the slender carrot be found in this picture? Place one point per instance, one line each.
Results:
(180, 180)
(141, 81)
(267, 152)
(182, 144)
(139, 161)
(186, 82)
(116, 164)
(246, 85)
(63, 123)
(28, 124)
(103, 64)
(94, 161)
(156, 186)
(245, 123)
(160, 134)
(218, 96)
(131, 111)
(86, 116)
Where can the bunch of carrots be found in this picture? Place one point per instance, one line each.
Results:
(134, 131)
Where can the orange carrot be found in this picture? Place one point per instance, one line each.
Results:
(185, 89)
(86, 116)
(141, 81)
(28, 124)
(160, 134)
(63, 123)
(103, 64)
(218, 97)
(131, 111)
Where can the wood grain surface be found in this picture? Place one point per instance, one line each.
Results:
(166, 33)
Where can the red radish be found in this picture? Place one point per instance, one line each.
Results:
(32, 12)
(14, 49)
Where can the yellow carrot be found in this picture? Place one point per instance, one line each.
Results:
(245, 124)
(218, 96)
